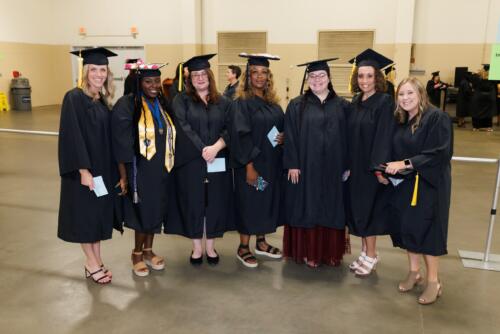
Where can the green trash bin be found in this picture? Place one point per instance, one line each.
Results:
(21, 94)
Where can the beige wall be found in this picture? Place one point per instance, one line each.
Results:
(48, 68)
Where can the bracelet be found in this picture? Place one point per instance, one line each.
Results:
(378, 173)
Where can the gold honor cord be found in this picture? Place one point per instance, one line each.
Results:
(415, 192)
(170, 142)
(146, 127)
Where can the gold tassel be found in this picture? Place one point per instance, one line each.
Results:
(352, 73)
(392, 75)
(181, 78)
(80, 70)
(415, 192)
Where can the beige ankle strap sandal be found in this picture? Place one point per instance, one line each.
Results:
(140, 268)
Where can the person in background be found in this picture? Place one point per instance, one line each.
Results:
(422, 147)
(464, 97)
(233, 73)
(389, 81)
(131, 80)
(315, 157)
(86, 164)
(434, 88)
(483, 101)
(179, 83)
(256, 149)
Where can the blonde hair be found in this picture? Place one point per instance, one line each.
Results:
(270, 95)
(108, 90)
(423, 103)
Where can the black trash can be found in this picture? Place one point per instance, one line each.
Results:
(21, 94)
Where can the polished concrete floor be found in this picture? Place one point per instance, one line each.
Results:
(43, 289)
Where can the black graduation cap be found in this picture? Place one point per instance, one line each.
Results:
(370, 57)
(435, 74)
(198, 63)
(131, 60)
(149, 70)
(95, 56)
(316, 65)
(389, 69)
(486, 67)
(258, 59)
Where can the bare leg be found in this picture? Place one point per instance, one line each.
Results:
(92, 264)
(371, 246)
(245, 240)
(197, 249)
(432, 266)
(96, 247)
(210, 247)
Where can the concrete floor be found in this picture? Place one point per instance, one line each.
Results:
(43, 289)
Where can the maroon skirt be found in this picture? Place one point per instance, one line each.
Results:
(321, 245)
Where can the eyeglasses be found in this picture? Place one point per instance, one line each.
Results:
(199, 75)
(318, 76)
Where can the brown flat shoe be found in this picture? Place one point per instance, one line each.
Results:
(413, 278)
(432, 292)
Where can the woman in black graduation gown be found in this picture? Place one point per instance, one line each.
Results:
(464, 98)
(86, 164)
(204, 192)
(256, 138)
(144, 146)
(315, 152)
(369, 131)
(483, 102)
(434, 88)
(423, 144)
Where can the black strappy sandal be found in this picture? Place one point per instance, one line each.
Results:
(99, 280)
(270, 251)
(246, 256)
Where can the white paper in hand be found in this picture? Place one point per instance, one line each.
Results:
(271, 135)
(99, 187)
(395, 182)
(216, 166)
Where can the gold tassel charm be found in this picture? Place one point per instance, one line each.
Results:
(80, 70)
(415, 192)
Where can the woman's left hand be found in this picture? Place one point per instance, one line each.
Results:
(394, 167)
(209, 153)
(280, 138)
(123, 184)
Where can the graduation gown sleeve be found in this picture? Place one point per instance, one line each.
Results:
(73, 154)
(122, 129)
(243, 148)
(437, 148)
(381, 145)
(180, 110)
(291, 148)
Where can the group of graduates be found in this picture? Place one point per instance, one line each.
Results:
(200, 164)
(478, 98)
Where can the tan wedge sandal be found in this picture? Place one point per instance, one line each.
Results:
(432, 292)
(140, 268)
(155, 262)
(414, 278)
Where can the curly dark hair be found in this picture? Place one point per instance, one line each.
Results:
(380, 85)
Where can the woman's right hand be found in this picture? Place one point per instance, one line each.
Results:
(86, 179)
(293, 175)
(382, 179)
(252, 174)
